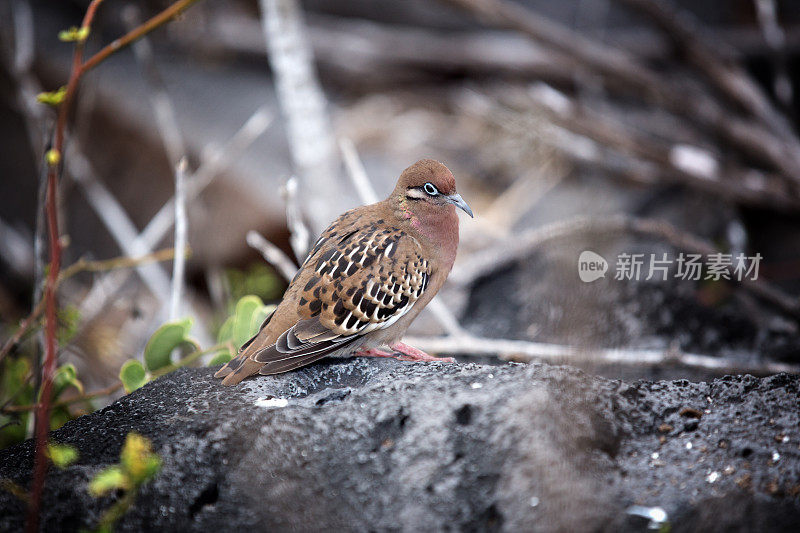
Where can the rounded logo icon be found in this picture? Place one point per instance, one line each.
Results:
(591, 266)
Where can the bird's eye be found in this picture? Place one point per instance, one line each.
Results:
(431, 189)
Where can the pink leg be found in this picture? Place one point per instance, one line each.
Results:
(373, 352)
(413, 354)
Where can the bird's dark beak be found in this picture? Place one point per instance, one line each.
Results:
(459, 202)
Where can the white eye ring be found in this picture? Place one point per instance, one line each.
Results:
(431, 189)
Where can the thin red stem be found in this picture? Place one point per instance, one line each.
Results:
(48, 369)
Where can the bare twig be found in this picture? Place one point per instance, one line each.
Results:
(179, 264)
(356, 171)
(162, 222)
(252, 129)
(588, 131)
(116, 220)
(272, 254)
(23, 327)
(299, 235)
(526, 351)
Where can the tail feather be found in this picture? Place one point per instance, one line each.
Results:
(247, 368)
(232, 366)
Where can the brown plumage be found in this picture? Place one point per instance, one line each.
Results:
(365, 280)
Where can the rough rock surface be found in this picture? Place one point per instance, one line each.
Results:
(381, 445)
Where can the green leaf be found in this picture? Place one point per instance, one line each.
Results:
(226, 330)
(138, 460)
(66, 376)
(221, 358)
(132, 375)
(111, 478)
(161, 344)
(245, 309)
(62, 455)
(73, 34)
(52, 97)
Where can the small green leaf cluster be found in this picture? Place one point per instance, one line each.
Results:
(248, 317)
(157, 354)
(138, 464)
(74, 34)
(53, 98)
(61, 455)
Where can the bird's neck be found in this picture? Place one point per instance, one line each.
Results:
(436, 227)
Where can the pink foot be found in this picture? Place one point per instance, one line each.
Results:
(413, 354)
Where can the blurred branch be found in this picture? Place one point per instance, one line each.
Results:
(162, 222)
(728, 78)
(181, 225)
(775, 37)
(356, 171)
(526, 351)
(210, 167)
(624, 72)
(638, 157)
(383, 53)
(272, 254)
(82, 265)
(299, 236)
(163, 109)
(303, 104)
(116, 220)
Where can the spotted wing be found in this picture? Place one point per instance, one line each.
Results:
(360, 282)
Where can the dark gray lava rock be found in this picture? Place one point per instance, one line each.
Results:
(379, 445)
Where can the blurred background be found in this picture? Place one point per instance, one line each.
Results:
(617, 126)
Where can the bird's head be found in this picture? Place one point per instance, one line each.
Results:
(426, 190)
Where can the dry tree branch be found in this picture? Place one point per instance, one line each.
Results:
(303, 103)
(181, 228)
(299, 235)
(624, 71)
(272, 254)
(527, 351)
(162, 222)
(357, 172)
(727, 77)
(775, 37)
(82, 265)
(584, 135)
(210, 168)
(115, 219)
